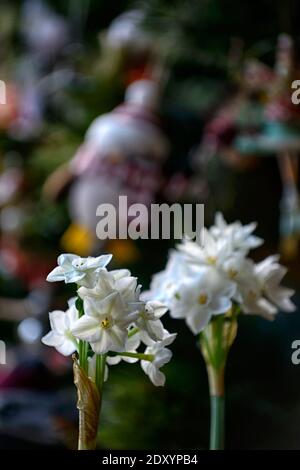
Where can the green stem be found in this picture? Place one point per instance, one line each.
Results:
(83, 354)
(141, 356)
(83, 346)
(100, 371)
(133, 332)
(217, 408)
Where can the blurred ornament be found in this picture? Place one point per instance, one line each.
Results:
(30, 330)
(126, 31)
(127, 48)
(44, 31)
(9, 110)
(280, 135)
(125, 251)
(39, 74)
(77, 239)
(261, 120)
(122, 155)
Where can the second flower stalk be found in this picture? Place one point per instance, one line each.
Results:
(215, 342)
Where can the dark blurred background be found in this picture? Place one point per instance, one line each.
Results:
(228, 136)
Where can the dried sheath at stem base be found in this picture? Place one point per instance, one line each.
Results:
(88, 404)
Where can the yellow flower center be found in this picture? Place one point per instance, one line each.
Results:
(202, 299)
(211, 259)
(232, 273)
(105, 323)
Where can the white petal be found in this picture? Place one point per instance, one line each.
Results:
(133, 342)
(99, 262)
(220, 305)
(86, 328)
(66, 259)
(117, 307)
(168, 338)
(118, 338)
(198, 320)
(66, 348)
(119, 273)
(57, 274)
(156, 376)
(158, 308)
(103, 344)
(154, 329)
(162, 357)
(113, 360)
(73, 276)
(57, 321)
(71, 316)
(52, 339)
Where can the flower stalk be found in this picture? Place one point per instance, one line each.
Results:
(217, 409)
(215, 341)
(82, 345)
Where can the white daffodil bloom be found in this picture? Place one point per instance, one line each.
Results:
(165, 283)
(83, 271)
(240, 236)
(237, 267)
(60, 335)
(149, 319)
(161, 356)
(259, 291)
(213, 253)
(270, 274)
(113, 320)
(119, 281)
(104, 324)
(198, 300)
(201, 281)
(252, 302)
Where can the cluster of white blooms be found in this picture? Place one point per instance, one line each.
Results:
(115, 320)
(202, 281)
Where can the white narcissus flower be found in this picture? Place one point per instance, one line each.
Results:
(251, 300)
(161, 356)
(104, 324)
(237, 268)
(83, 271)
(188, 284)
(213, 252)
(119, 281)
(269, 274)
(198, 300)
(240, 236)
(259, 291)
(60, 335)
(165, 283)
(114, 318)
(149, 319)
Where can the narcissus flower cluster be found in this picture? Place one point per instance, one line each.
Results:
(109, 316)
(200, 282)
